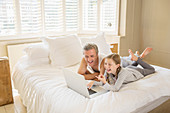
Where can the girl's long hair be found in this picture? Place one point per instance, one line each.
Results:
(116, 58)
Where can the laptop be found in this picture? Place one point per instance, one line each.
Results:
(78, 83)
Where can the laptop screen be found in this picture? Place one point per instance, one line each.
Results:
(91, 91)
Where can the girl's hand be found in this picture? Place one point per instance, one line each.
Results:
(90, 84)
(101, 78)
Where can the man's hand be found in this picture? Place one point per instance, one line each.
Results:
(89, 85)
(101, 78)
(90, 76)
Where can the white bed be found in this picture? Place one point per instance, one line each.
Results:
(43, 90)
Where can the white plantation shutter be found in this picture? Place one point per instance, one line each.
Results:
(30, 16)
(109, 15)
(72, 15)
(7, 17)
(53, 15)
(35, 17)
(90, 14)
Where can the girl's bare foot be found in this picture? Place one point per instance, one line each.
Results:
(145, 52)
(133, 57)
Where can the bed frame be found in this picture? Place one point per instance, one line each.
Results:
(161, 105)
(163, 108)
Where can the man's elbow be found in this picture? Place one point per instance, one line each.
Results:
(80, 72)
(87, 77)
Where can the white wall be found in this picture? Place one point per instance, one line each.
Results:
(148, 25)
(155, 31)
(132, 28)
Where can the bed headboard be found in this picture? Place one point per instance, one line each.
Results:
(15, 52)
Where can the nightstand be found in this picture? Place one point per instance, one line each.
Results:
(5, 82)
(114, 48)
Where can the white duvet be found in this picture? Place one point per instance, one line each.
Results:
(44, 90)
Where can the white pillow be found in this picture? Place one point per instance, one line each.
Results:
(36, 50)
(37, 54)
(100, 41)
(64, 51)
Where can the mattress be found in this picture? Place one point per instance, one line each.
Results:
(43, 90)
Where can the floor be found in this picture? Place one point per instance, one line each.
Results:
(16, 107)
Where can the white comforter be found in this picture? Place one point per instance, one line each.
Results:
(44, 90)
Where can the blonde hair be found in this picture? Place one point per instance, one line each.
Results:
(90, 46)
(116, 59)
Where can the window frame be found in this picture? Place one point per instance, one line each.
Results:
(43, 32)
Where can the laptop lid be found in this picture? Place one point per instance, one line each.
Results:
(76, 82)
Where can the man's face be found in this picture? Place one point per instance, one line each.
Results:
(90, 57)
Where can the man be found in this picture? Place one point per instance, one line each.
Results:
(92, 63)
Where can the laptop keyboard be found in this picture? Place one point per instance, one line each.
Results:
(91, 91)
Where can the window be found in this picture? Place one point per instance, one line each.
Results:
(53, 15)
(7, 17)
(90, 15)
(101, 15)
(58, 16)
(72, 16)
(109, 15)
(30, 16)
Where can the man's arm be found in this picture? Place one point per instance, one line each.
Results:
(83, 71)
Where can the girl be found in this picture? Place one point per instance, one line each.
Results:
(116, 75)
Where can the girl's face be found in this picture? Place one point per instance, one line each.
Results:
(110, 66)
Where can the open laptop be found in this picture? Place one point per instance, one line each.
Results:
(78, 83)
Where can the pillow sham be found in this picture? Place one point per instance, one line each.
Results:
(100, 41)
(37, 54)
(64, 51)
(36, 50)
